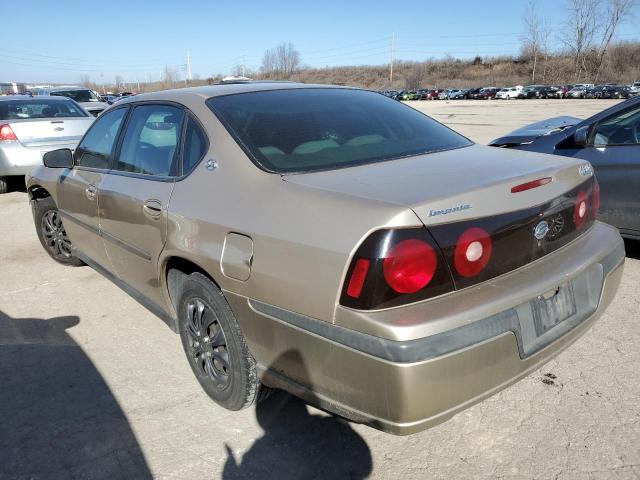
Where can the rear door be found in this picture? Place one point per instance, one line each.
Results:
(78, 199)
(614, 151)
(134, 196)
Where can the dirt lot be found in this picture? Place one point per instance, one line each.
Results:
(94, 386)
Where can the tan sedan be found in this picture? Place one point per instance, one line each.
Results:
(333, 243)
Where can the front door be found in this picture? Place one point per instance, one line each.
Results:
(614, 152)
(79, 197)
(135, 195)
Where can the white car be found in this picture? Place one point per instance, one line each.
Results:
(30, 127)
(508, 93)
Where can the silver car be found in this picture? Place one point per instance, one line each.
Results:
(30, 127)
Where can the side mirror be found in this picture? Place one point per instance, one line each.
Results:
(581, 135)
(61, 158)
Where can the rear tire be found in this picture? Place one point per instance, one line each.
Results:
(4, 185)
(215, 347)
(52, 234)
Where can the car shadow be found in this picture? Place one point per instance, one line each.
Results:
(297, 444)
(59, 417)
(632, 248)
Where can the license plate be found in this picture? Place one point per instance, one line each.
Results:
(551, 309)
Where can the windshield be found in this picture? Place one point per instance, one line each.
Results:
(77, 95)
(308, 129)
(37, 108)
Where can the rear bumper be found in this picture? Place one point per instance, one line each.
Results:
(474, 342)
(16, 159)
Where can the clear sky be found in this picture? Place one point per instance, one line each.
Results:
(58, 42)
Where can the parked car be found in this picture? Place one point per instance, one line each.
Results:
(562, 90)
(355, 244)
(30, 127)
(579, 90)
(447, 94)
(615, 91)
(459, 94)
(487, 93)
(86, 98)
(432, 94)
(610, 140)
(508, 93)
(634, 89)
(536, 91)
(472, 93)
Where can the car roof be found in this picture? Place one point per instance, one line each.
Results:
(182, 95)
(34, 98)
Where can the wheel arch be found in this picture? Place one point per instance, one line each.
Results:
(37, 192)
(175, 268)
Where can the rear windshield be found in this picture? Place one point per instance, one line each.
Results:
(37, 108)
(77, 95)
(309, 129)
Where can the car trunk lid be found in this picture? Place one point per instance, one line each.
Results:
(454, 185)
(50, 131)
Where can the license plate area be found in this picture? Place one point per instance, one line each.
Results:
(553, 308)
(550, 315)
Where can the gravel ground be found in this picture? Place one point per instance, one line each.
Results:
(94, 386)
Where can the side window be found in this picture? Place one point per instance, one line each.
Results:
(622, 129)
(195, 144)
(151, 140)
(97, 146)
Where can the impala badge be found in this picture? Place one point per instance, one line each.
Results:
(541, 230)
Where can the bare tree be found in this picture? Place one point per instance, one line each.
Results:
(579, 31)
(85, 81)
(282, 61)
(617, 12)
(535, 37)
(119, 81)
(169, 77)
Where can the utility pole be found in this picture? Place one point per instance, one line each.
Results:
(393, 39)
(188, 67)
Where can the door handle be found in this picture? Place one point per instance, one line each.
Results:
(152, 208)
(90, 192)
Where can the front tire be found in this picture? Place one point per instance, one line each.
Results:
(52, 234)
(215, 347)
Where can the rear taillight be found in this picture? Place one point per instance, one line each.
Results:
(410, 266)
(395, 267)
(6, 133)
(399, 266)
(472, 252)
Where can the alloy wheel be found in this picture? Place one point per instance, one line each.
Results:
(55, 236)
(207, 343)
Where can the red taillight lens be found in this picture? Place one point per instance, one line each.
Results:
(581, 210)
(6, 133)
(529, 185)
(358, 276)
(473, 252)
(595, 201)
(410, 266)
(393, 267)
